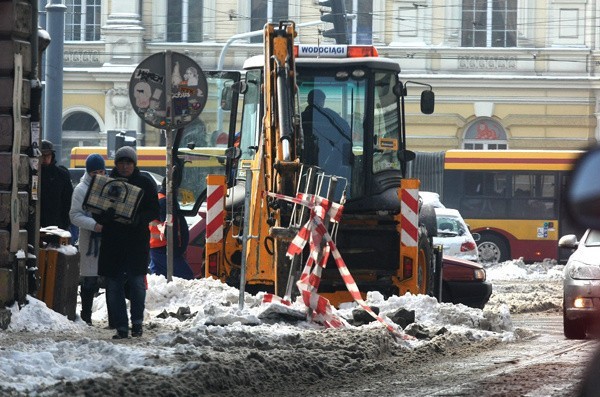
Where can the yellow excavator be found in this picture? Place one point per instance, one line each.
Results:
(329, 121)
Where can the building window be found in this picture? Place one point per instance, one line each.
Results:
(83, 20)
(184, 21)
(489, 23)
(266, 10)
(408, 21)
(485, 134)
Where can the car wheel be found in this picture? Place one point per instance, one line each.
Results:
(492, 249)
(573, 329)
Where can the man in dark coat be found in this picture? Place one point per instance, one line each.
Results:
(326, 133)
(124, 249)
(56, 190)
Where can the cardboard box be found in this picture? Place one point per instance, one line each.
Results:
(7, 287)
(59, 281)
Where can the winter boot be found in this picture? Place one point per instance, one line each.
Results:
(121, 334)
(89, 287)
(136, 330)
(87, 318)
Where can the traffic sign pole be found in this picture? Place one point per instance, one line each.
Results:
(169, 170)
(165, 99)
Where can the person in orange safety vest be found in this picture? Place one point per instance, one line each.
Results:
(158, 240)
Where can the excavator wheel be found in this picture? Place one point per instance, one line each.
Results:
(425, 271)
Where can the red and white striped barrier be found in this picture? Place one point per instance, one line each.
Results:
(215, 207)
(314, 232)
(409, 210)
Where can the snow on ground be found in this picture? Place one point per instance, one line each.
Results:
(41, 347)
(526, 288)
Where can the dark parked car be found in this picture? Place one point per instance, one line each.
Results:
(464, 281)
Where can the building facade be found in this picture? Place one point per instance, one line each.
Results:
(518, 74)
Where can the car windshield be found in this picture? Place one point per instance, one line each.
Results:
(450, 224)
(593, 238)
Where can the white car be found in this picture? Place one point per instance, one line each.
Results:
(581, 284)
(453, 233)
(431, 198)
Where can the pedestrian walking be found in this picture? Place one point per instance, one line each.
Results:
(124, 252)
(89, 237)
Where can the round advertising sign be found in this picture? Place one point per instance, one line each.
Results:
(167, 73)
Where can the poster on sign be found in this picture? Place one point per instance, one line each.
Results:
(168, 90)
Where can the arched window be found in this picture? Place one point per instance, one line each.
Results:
(79, 129)
(485, 133)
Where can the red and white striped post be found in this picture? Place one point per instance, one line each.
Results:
(409, 235)
(215, 216)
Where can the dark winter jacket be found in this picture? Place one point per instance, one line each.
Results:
(55, 197)
(126, 247)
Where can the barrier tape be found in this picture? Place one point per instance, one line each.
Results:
(314, 232)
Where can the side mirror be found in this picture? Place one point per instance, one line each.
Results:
(568, 241)
(233, 152)
(583, 193)
(226, 98)
(427, 102)
(399, 89)
(406, 156)
(241, 87)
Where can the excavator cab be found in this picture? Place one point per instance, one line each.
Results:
(355, 128)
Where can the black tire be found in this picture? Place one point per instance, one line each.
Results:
(573, 329)
(437, 274)
(428, 219)
(492, 249)
(425, 271)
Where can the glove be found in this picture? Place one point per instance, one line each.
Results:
(106, 217)
(110, 213)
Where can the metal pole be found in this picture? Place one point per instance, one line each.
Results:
(245, 236)
(42, 58)
(221, 61)
(246, 35)
(333, 181)
(53, 93)
(169, 170)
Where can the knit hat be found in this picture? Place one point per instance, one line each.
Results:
(47, 147)
(126, 152)
(94, 162)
